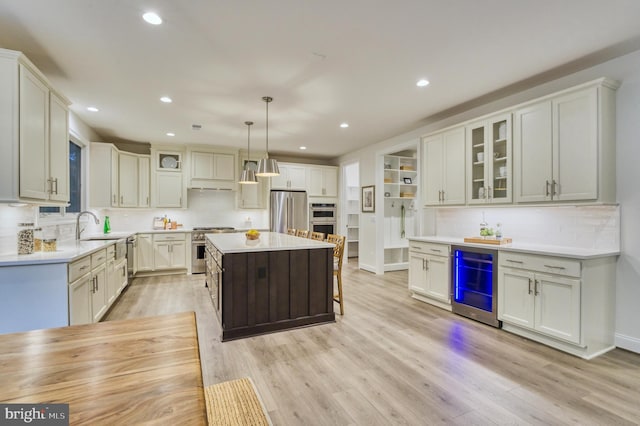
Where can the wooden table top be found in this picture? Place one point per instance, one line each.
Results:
(135, 371)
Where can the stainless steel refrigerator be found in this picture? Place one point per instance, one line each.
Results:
(289, 209)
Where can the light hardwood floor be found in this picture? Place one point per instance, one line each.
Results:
(394, 360)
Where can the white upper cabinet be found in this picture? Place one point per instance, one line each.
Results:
(168, 190)
(167, 186)
(34, 129)
(489, 160)
(128, 180)
(144, 164)
(58, 148)
(323, 181)
(444, 167)
(118, 178)
(292, 177)
(212, 170)
(564, 146)
(103, 184)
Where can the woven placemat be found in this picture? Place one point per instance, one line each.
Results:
(235, 402)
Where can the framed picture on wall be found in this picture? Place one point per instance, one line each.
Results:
(368, 199)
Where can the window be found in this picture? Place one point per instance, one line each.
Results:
(75, 183)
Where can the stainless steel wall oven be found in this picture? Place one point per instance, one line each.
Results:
(323, 218)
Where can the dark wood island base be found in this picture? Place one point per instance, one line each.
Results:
(267, 291)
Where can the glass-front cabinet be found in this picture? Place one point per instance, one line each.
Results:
(489, 160)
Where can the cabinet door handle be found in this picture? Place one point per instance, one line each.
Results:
(554, 187)
(547, 188)
(529, 285)
(114, 199)
(520, 262)
(423, 265)
(426, 261)
(147, 200)
(436, 250)
(83, 268)
(555, 267)
(535, 287)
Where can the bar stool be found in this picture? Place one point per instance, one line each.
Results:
(291, 231)
(338, 251)
(304, 233)
(317, 236)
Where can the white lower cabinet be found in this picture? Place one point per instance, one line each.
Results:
(563, 302)
(80, 300)
(546, 303)
(120, 278)
(429, 273)
(169, 251)
(89, 287)
(144, 253)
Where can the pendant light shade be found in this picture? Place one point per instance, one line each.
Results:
(268, 166)
(248, 175)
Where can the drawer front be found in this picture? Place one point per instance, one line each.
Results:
(79, 268)
(111, 251)
(546, 264)
(98, 258)
(429, 248)
(169, 237)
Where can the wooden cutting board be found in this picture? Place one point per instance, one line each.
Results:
(480, 240)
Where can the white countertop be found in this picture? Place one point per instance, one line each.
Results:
(268, 241)
(573, 252)
(65, 253)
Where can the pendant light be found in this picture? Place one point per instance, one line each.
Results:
(248, 175)
(268, 166)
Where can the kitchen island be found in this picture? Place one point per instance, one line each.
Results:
(277, 282)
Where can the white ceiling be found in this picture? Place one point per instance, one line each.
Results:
(323, 61)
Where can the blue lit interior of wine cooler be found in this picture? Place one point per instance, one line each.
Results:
(473, 279)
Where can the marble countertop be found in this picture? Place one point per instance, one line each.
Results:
(268, 241)
(65, 253)
(548, 250)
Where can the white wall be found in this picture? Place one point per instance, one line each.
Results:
(625, 69)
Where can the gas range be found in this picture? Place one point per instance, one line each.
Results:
(200, 231)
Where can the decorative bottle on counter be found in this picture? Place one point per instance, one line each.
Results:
(498, 231)
(107, 225)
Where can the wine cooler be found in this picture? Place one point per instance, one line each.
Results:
(475, 284)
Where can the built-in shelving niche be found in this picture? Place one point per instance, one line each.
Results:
(400, 186)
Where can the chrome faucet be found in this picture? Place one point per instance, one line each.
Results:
(78, 230)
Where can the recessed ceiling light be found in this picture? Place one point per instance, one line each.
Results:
(166, 99)
(152, 18)
(303, 148)
(344, 125)
(422, 83)
(92, 109)
(170, 134)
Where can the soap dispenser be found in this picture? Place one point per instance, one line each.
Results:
(107, 225)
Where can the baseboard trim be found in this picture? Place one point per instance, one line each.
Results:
(627, 342)
(368, 268)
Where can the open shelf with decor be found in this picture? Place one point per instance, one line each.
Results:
(400, 189)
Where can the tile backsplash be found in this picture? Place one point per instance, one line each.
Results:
(569, 226)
